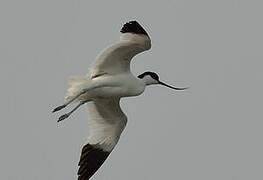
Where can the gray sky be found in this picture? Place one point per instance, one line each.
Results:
(211, 131)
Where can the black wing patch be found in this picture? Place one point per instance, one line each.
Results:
(90, 161)
(133, 27)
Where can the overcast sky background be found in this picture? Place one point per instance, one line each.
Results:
(212, 131)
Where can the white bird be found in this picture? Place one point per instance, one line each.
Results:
(109, 80)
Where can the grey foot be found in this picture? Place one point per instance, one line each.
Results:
(64, 116)
(59, 108)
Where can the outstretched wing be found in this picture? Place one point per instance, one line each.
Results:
(116, 58)
(106, 124)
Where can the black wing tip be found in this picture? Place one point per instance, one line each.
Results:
(133, 27)
(91, 160)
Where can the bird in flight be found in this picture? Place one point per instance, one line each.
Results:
(109, 80)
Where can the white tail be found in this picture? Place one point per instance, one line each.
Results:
(76, 84)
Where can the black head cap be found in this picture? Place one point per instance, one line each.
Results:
(133, 27)
(152, 74)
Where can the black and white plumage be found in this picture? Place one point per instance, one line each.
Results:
(90, 161)
(109, 80)
(106, 123)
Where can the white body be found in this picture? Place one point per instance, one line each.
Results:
(106, 86)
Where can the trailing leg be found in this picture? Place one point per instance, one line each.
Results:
(64, 116)
(70, 101)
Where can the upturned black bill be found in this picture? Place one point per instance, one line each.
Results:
(162, 83)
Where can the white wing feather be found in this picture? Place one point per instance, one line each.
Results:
(106, 123)
(116, 58)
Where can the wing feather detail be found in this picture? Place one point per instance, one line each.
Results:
(106, 124)
(90, 161)
(116, 58)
